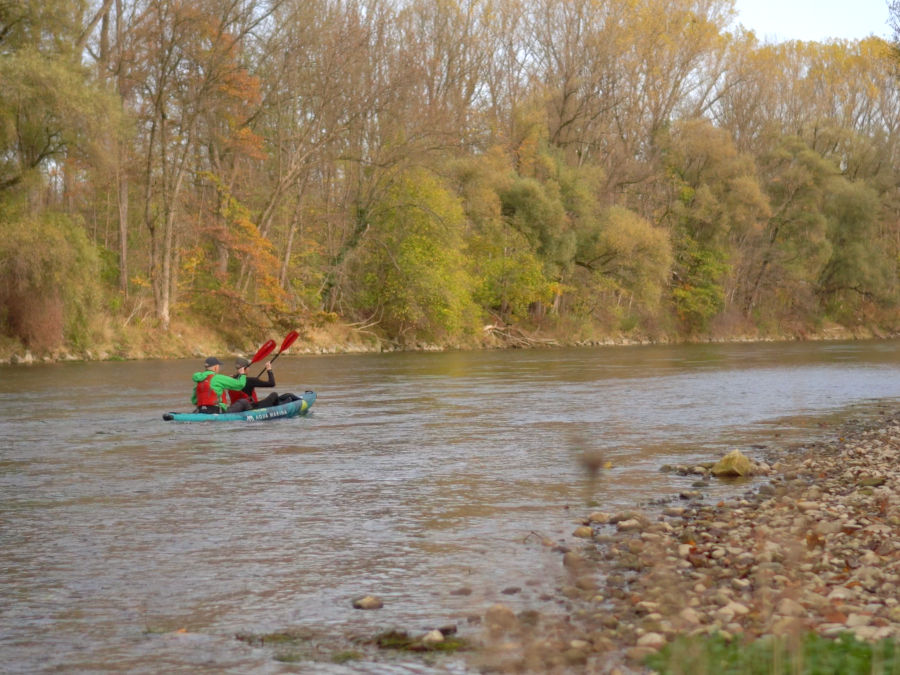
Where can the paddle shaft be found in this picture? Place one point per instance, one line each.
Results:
(262, 352)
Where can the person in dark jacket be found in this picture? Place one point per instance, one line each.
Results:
(246, 398)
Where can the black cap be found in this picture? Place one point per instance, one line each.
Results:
(212, 361)
(241, 363)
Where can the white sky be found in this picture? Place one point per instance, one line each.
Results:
(814, 20)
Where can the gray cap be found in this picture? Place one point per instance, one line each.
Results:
(212, 361)
(241, 362)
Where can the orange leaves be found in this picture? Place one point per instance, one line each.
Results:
(241, 86)
(245, 141)
(814, 540)
(834, 616)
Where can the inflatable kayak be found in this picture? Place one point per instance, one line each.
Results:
(291, 409)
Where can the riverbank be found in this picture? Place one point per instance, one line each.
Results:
(812, 548)
(191, 341)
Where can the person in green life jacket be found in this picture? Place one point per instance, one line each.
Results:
(210, 386)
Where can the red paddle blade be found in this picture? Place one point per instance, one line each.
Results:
(264, 351)
(289, 340)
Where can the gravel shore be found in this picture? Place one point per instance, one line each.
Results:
(814, 547)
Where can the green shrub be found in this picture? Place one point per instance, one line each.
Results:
(50, 281)
(811, 654)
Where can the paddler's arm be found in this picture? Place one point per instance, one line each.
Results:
(222, 382)
(270, 382)
(259, 383)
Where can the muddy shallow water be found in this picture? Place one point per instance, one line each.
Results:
(131, 543)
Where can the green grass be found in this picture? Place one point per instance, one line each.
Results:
(344, 657)
(290, 646)
(289, 657)
(807, 655)
(402, 641)
(301, 645)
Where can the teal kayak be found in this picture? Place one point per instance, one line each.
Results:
(291, 409)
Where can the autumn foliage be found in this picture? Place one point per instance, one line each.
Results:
(421, 169)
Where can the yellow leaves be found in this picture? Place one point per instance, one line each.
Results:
(556, 288)
(191, 259)
(628, 250)
(140, 281)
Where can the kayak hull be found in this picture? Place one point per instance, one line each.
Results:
(292, 409)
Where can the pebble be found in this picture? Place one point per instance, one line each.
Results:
(691, 616)
(857, 620)
(789, 607)
(628, 525)
(652, 640)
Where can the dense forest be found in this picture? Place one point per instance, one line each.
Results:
(439, 172)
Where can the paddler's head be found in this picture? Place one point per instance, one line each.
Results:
(212, 363)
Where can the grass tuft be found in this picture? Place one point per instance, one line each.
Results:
(811, 654)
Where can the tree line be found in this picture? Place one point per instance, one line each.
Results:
(421, 169)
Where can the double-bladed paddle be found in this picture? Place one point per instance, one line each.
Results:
(287, 342)
(263, 352)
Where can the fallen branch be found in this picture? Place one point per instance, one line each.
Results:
(517, 338)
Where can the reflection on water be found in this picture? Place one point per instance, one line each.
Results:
(422, 478)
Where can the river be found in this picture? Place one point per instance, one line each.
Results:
(427, 479)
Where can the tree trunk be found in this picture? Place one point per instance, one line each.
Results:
(122, 160)
(286, 260)
(122, 194)
(169, 249)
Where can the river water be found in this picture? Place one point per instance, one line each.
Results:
(428, 479)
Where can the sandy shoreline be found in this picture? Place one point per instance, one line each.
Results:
(815, 548)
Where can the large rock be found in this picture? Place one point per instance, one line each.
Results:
(735, 463)
(433, 637)
(368, 602)
(500, 619)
